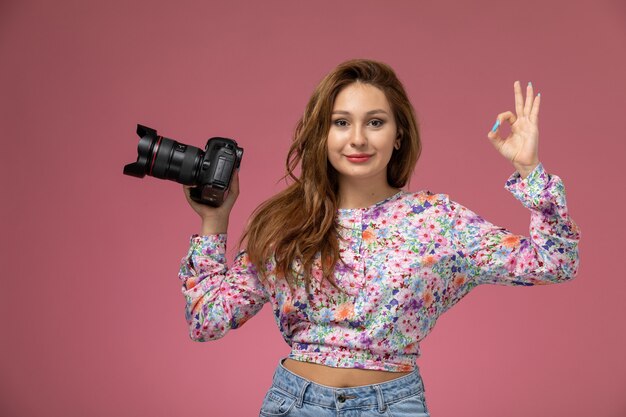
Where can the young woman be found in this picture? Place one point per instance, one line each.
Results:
(358, 270)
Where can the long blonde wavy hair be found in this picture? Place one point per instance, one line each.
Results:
(298, 224)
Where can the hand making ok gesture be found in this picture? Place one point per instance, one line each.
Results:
(521, 147)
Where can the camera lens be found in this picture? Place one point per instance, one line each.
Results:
(164, 158)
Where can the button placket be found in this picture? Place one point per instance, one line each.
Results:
(362, 249)
(359, 226)
(351, 277)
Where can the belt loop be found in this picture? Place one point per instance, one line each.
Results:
(301, 395)
(381, 399)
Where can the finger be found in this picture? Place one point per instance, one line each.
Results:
(188, 197)
(494, 136)
(234, 185)
(534, 114)
(529, 99)
(494, 133)
(519, 99)
(507, 116)
(233, 190)
(186, 189)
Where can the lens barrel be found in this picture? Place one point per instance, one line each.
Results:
(165, 158)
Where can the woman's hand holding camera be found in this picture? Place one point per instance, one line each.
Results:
(215, 219)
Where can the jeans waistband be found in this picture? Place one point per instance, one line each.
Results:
(305, 390)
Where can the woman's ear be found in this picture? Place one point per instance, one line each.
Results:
(398, 141)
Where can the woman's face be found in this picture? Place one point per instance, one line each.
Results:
(362, 134)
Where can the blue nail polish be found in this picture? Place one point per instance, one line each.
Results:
(530, 84)
(495, 126)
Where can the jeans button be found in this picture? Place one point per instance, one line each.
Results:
(341, 397)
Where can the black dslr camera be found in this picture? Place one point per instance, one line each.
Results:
(210, 171)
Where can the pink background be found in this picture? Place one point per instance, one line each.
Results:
(91, 312)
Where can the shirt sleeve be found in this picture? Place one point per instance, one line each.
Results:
(218, 298)
(486, 253)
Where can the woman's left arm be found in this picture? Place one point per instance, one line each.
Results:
(491, 254)
(486, 253)
(550, 253)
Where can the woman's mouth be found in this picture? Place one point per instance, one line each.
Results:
(358, 157)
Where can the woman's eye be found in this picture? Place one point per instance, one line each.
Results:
(376, 123)
(340, 122)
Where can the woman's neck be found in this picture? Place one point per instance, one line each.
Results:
(362, 194)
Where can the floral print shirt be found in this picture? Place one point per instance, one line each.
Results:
(406, 260)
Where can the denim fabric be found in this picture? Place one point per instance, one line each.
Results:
(293, 395)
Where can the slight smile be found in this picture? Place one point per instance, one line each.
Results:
(358, 157)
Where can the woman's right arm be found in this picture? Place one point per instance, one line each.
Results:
(217, 298)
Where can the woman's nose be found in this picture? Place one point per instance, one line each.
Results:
(358, 137)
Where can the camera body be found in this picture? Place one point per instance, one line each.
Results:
(210, 171)
(221, 157)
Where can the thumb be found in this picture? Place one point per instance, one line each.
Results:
(494, 133)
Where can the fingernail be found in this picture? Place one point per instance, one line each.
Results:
(530, 84)
(538, 94)
(495, 126)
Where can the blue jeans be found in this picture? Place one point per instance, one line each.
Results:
(293, 395)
